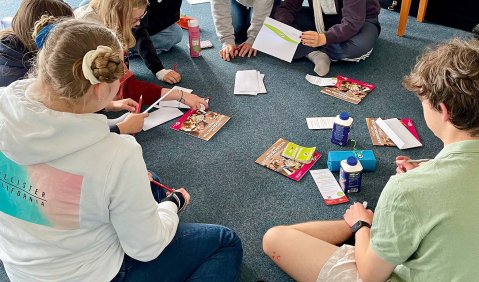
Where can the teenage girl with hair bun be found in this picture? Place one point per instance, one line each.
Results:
(76, 202)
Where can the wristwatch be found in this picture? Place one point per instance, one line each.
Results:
(358, 225)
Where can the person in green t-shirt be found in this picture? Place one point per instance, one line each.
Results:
(425, 225)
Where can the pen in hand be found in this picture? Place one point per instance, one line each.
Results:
(163, 186)
(418, 161)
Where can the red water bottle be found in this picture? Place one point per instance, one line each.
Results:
(194, 38)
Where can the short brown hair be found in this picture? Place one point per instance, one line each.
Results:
(59, 62)
(31, 11)
(449, 73)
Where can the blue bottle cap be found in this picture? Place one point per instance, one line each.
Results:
(344, 116)
(352, 161)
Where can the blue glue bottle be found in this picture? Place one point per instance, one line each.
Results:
(350, 175)
(341, 127)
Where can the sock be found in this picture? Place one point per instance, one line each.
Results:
(321, 62)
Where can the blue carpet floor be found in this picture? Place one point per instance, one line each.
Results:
(226, 185)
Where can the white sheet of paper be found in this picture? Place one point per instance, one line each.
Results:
(193, 2)
(262, 87)
(277, 39)
(321, 81)
(160, 116)
(246, 82)
(398, 133)
(327, 184)
(320, 122)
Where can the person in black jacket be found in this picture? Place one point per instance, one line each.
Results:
(157, 32)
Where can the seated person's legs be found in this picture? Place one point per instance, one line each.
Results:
(302, 250)
(167, 38)
(241, 17)
(358, 47)
(200, 252)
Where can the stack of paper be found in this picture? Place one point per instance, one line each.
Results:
(320, 122)
(398, 133)
(249, 82)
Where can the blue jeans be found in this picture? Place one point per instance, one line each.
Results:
(241, 18)
(167, 38)
(198, 252)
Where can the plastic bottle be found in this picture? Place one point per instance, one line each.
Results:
(194, 38)
(341, 127)
(350, 175)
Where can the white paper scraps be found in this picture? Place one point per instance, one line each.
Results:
(321, 81)
(320, 122)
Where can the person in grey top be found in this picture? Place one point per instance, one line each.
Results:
(238, 22)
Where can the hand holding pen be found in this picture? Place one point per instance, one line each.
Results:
(404, 163)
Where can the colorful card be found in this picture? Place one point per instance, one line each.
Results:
(298, 153)
(201, 124)
(290, 168)
(328, 187)
(350, 90)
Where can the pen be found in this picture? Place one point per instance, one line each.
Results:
(139, 104)
(174, 67)
(365, 204)
(418, 161)
(163, 186)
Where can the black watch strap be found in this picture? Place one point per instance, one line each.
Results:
(358, 225)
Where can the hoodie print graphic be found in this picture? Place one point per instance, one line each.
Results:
(40, 194)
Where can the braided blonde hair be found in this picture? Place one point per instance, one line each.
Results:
(59, 62)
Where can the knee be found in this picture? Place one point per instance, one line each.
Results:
(230, 239)
(177, 35)
(274, 237)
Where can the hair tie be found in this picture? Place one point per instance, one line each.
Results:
(42, 35)
(88, 59)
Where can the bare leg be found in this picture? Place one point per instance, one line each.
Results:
(333, 232)
(301, 250)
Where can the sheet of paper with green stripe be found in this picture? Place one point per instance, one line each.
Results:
(277, 39)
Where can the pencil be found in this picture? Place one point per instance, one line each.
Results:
(418, 161)
(139, 104)
(174, 67)
(163, 186)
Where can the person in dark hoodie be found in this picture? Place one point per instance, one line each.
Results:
(17, 47)
(333, 30)
(156, 33)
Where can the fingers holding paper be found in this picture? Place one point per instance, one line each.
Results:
(246, 49)
(228, 52)
(133, 123)
(195, 102)
(313, 39)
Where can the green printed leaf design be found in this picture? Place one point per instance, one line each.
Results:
(281, 34)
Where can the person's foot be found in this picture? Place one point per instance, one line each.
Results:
(321, 62)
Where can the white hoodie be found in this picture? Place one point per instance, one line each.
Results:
(73, 196)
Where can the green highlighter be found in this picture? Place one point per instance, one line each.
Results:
(298, 153)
